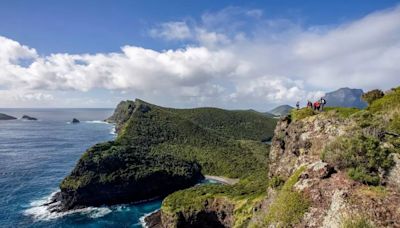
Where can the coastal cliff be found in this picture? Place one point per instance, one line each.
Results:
(338, 168)
(161, 150)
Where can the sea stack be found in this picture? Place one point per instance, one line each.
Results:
(75, 121)
(6, 117)
(26, 117)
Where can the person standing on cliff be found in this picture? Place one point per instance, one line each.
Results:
(322, 104)
(316, 106)
(309, 104)
(298, 105)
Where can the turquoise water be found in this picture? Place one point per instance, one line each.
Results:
(36, 155)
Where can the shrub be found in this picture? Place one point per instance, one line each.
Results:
(363, 157)
(275, 182)
(372, 95)
(289, 206)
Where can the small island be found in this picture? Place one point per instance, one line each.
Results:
(75, 121)
(26, 117)
(6, 117)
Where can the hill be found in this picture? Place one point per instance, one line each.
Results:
(345, 97)
(281, 110)
(156, 145)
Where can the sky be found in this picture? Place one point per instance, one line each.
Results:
(228, 54)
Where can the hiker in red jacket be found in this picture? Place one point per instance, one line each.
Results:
(316, 106)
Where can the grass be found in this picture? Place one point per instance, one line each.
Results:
(289, 206)
(357, 222)
(302, 113)
(342, 111)
(373, 191)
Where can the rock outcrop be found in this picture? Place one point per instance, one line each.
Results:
(333, 198)
(75, 121)
(26, 117)
(122, 113)
(217, 213)
(6, 117)
(301, 142)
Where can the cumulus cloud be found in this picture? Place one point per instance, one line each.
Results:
(253, 63)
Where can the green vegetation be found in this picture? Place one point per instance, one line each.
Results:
(243, 196)
(342, 111)
(289, 206)
(155, 140)
(357, 222)
(363, 157)
(208, 136)
(300, 114)
(372, 95)
(240, 124)
(108, 163)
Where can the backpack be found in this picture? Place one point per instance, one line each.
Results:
(323, 101)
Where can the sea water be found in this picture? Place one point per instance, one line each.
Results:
(36, 155)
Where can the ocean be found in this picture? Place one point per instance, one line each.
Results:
(36, 155)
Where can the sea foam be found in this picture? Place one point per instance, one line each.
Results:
(39, 210)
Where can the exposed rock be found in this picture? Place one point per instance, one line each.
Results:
(394, 174)
(6, 117)
(301, 142)
(122, 113)
(217, 213)
(333, 197)
(336, 211)
(75, 121)
(26, 117)
(154, 220)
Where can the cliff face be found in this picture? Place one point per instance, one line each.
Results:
(301, 142)
(112, 174)
(122, 113)
(328, 192)
(217, 213)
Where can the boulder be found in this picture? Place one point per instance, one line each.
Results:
(75, 121)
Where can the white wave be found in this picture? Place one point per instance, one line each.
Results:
(113, 131)
(142, 219)
(39, 210)
(96, 122)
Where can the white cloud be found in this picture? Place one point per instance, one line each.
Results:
(177, 30)
(269, 62)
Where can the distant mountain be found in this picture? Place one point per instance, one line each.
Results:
(345, 97)
(281, 110)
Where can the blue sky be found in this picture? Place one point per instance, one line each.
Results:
(199, 53)
(71, 26)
